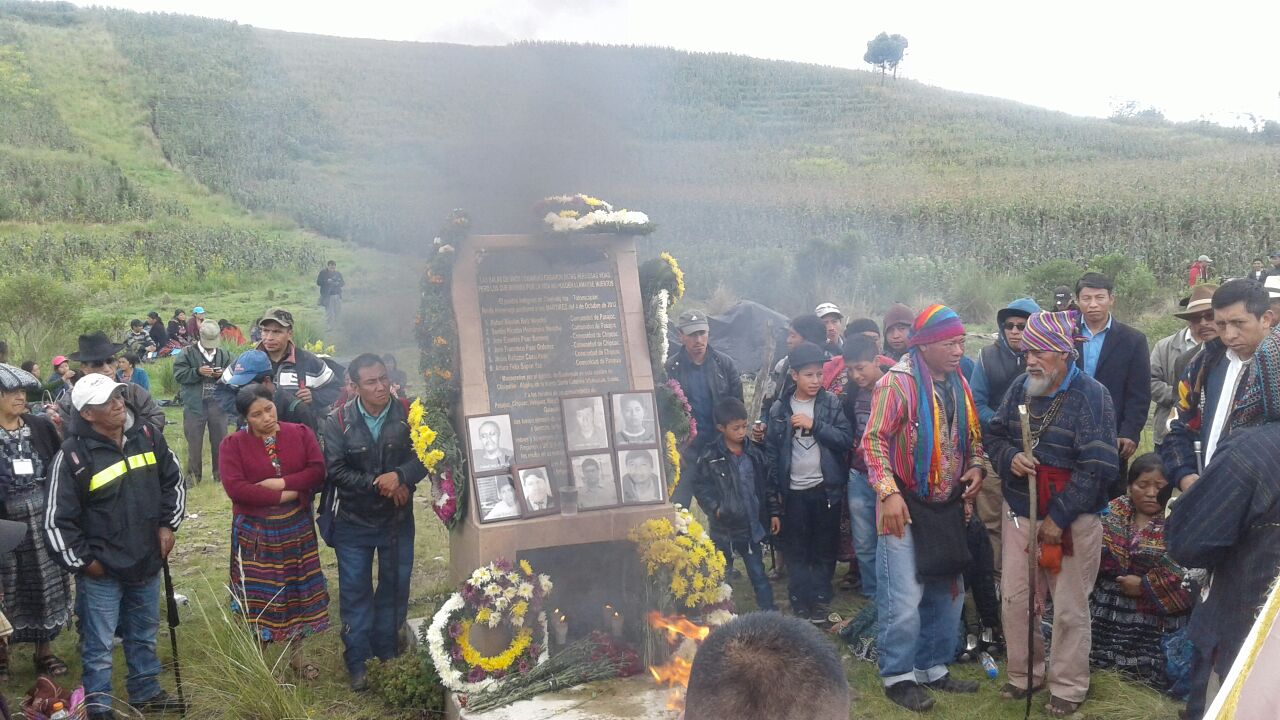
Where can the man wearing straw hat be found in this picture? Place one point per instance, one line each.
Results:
(1165, 370)
(1075, 459)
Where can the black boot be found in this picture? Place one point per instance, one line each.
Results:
(910, 695)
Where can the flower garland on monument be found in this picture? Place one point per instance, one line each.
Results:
(661, 285)
(436, 441)
(583, 213)
(497, 597)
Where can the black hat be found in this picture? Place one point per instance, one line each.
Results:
(806, 353)
(1062, 292)
(95, 347)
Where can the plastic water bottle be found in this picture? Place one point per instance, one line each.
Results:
(59, 712)
(989, 664)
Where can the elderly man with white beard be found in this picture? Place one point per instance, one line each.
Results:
(1073, 460)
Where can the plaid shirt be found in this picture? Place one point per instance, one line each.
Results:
(1229, 522)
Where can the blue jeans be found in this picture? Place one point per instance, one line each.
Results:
(753, 558)
(371, 619)
(810, 531)
(918, 621)
(135, 607)
(862, 517)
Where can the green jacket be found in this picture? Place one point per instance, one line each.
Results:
(186, 371)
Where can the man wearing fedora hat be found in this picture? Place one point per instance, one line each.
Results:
(1215, 387)
(1165, 368)
(97, 355)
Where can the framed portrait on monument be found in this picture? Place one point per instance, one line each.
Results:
(635, 421)
(586, 424)
(641, 470)
(594, 477)
(489, 439)
(496, 498)
(537, 490)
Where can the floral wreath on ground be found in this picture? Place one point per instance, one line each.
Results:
(583, 213)
(437, 440)
(497, 595)
(684, 565)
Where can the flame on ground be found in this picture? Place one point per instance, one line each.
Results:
(674, 674)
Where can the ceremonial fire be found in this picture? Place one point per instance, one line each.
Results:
(683, 636)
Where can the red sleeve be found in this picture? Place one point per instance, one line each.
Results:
(241, 487)
(311, 476)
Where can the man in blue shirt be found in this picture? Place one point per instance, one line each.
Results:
(1115, 355)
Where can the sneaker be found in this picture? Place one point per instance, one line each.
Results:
(359, 682)
(162, 703)
(910, 695)
(818, 616)
(948, 684)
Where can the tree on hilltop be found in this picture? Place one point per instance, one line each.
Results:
(884, 52)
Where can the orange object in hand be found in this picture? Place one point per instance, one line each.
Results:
(1051, 558)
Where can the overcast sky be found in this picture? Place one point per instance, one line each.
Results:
(1215, 60)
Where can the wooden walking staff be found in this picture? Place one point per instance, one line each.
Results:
(1033, 555)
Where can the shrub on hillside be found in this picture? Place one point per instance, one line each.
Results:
(35, 311)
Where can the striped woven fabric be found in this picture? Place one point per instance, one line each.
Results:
(275, 571)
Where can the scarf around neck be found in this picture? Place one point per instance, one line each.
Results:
(931, 424)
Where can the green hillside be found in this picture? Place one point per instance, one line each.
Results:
(375, 141)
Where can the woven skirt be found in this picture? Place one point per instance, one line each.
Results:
(37, 591)
(1126, 639)
(276, 581)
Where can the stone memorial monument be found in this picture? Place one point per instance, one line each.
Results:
(555, 383)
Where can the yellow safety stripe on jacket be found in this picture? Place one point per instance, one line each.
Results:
(111, 472)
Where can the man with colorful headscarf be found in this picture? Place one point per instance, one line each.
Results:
(923, 449)
(1075, 458)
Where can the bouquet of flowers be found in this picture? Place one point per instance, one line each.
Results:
(496, 595)
(679, 557)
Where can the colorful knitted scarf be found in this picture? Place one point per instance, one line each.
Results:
(936, 324)
(1259, 399)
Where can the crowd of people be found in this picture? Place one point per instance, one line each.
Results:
(886, 446)
(880, 444)
(91, 478)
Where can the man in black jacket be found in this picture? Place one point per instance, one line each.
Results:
(1117, 356)
(296, 371)
(373, 472)
(116, 497)
(707, 376)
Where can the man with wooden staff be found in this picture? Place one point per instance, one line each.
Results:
(1073, 459)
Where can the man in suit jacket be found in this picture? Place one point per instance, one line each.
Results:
(1115, 355)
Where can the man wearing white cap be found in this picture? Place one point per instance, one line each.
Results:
(1199, 271)
(196, 370)
(115, 500)
(833, 320)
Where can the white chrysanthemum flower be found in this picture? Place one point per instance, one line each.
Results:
(526, 590)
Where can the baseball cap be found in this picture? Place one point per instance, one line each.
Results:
(693, 321)
(93, 389)
(826, 309)
(806, 353)
(249, 367)
(197, 310)
(281, 316)
(1203, 258)
(59, 359)
(1062, 292)
(1274, 253)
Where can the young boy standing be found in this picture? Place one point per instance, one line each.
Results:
(865, 366)
(731, 484)
(807, 440)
